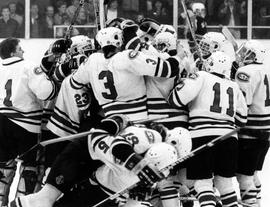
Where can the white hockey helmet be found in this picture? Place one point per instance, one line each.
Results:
(110, 36)
(161, 155)
(141, 138)
(81, 44)
(198, 9)
(219, 62)
(212, 42)
(165, 42)
(180, 138)
(252, 51)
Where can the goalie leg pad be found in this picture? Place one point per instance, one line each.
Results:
(7, 173)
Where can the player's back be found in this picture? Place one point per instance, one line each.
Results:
(116, 87)
(254, 80)
(213, 101)
(17, 101)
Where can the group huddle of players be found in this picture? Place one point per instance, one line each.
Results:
(132, 73)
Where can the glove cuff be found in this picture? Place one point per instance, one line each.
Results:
(135, 163)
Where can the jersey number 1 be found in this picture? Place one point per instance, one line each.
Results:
(7, 101)
(216, 104)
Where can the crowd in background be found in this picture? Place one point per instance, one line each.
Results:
(44, 14)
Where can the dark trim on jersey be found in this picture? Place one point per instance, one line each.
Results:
(258, 122)
(63, 121)
(218, 75)
(212, 123)
(6, 64)
(157, 68)
(258, 115)
(205, 117)
(53, 92)
(179, 102)
(241, 116)
(66, 116)
(211, 127)
(62, 128)
(13, 113)
(25, 121)
(75, 84)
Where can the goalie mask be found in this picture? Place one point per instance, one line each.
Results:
(180, 138)
(165, 42)
(161, 155)
(219, 63)
(251, 51)
(81, 44)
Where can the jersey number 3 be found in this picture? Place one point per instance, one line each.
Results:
(7, 101)
(108, 84)
(216, 104)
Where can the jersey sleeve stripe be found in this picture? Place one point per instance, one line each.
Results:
(65, 122)
(53, 93)
(75, 85)
(59, 125)
(165, 69)
(65, 116)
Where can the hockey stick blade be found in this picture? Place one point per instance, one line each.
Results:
(226, 32)
(179, 161)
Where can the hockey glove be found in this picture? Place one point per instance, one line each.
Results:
(115, 123)
(146, 172)
(140, 193)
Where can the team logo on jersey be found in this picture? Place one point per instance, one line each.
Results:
(243, 77)
(132, 54)
(193, 75)
(37, 70)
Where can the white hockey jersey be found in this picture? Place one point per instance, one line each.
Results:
(113, 175)
(66, 116)
(22, 87)
(254, 81)
(216, 104)
(158, 90)
(118, 82)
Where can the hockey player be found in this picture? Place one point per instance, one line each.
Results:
(216, 105)
(117, 172)
(253, 78)
(22, 87)
(117, 77)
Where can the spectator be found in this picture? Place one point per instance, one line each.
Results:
(72, 8)
(13, 13)
(229, 14)
(36, 22)
(8, 26)
(59, 17)
(160, 13)
(49, 22)
(261, 20)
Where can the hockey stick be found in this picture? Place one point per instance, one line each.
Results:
(191, 28)
(226, 32)
(171, 166)
(79, 135)
(76, 13)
